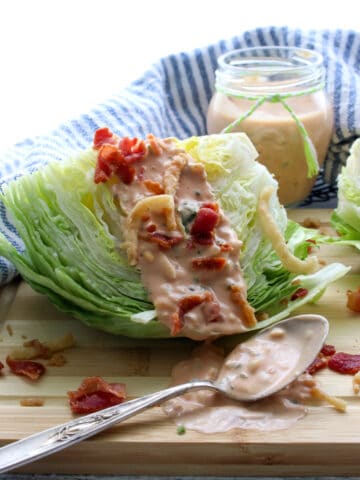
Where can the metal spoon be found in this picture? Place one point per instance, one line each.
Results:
(57, 438)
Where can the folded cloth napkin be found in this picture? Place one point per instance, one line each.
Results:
(172, 97)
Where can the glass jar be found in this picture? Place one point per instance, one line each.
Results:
(276, 96)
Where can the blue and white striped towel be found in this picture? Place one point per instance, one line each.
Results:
(171, 99)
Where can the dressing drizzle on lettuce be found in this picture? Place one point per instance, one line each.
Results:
(72, 236)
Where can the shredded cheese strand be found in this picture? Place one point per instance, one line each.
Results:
(273, 233)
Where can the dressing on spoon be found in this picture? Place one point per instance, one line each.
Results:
(256, 369)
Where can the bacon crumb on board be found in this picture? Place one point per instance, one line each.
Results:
(32, 402)
(322, 358)
(346, 363)
(26, 368)
(95, 394)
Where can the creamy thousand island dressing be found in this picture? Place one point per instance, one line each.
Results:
(252, 367)
(177, 235)
(276, 137)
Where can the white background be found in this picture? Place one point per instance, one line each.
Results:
(58, 58)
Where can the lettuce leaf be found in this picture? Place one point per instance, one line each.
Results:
(346, 217)
(71, 235)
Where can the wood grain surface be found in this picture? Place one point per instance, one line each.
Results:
(325, 442)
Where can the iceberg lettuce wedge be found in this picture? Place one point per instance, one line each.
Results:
(346, 217)
(70, 231)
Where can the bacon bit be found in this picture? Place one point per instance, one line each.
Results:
(344, 363)
(185, 305)
(95, 394)
(154, 187)
(117, 160)
(132, 149)
(26, 368)
(212, 205)
(353, 300)
(238, 297)
(205, 221)
(209, 263)
(300, 292)
(328, 350)
(164, 241)
(319, 363)
(154, 144)
(322, 359)
(102, 136)
(1, 366)
(32, 402)
(111, 161)
(151, 228)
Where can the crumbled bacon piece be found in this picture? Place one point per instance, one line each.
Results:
(95, 394)
(319, 363)
(353, 300)
(103, 135)
(205, 221)
(238, 296)
(132, 149)
(151, 228)
(209, 263)
(1, 366)
(212, 205)
(299, 293)
(116, 157)
(328, 350)
(344, 363)
(154, 187)
(185, 305)
(111, 161)
(27, 368)
(164, 241)
(322, 359)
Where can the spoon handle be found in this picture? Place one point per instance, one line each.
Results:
(57, 438)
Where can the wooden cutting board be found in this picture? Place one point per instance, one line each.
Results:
(325, 442)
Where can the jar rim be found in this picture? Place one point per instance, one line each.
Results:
(269, 69)
(272, 57)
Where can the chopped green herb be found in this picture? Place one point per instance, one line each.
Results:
(181, 430)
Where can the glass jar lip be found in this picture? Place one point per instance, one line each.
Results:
(270, 58)
(269, 69)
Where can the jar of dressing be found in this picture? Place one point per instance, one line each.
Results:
(276, 96)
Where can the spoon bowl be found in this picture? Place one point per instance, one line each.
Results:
(302, 335)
